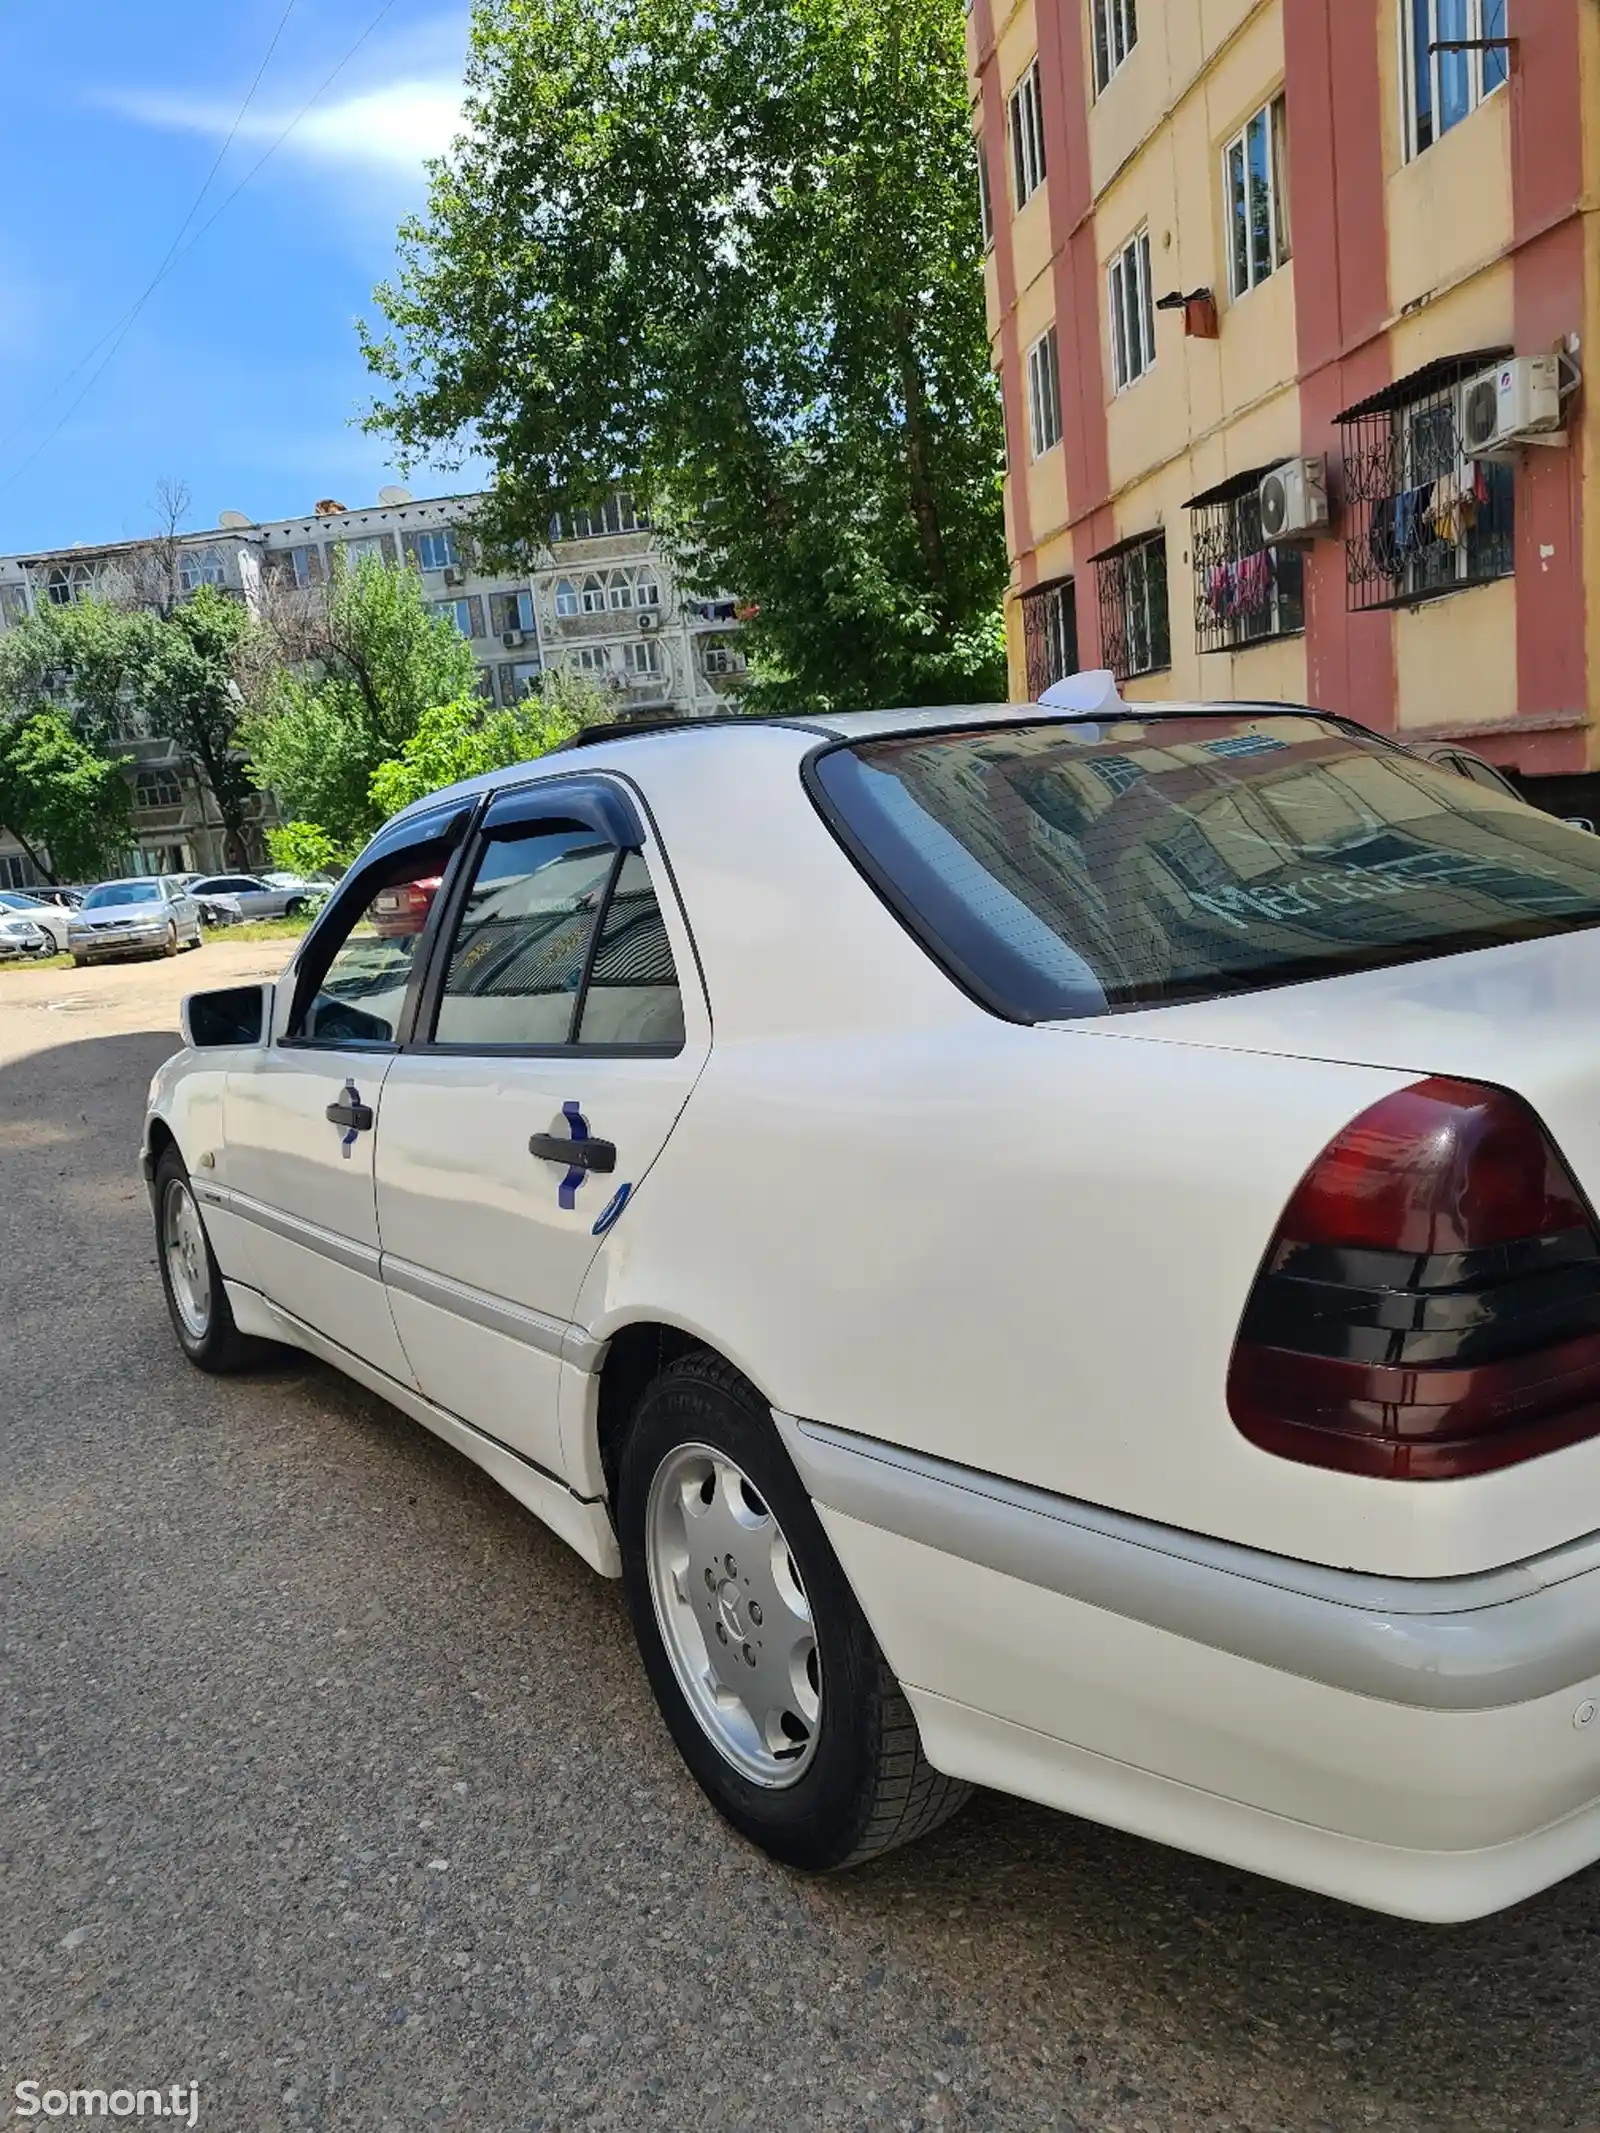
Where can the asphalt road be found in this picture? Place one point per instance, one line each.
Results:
(330, 1783)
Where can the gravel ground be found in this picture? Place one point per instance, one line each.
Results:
(331, 1783)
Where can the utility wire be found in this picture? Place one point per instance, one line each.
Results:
(139, 302)
(176, 257)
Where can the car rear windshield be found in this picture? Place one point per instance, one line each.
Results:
(122, 892)
(1074, 868)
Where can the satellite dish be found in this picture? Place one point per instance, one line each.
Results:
(394, 494)
(234, 521)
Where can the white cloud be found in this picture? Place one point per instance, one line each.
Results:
(387, 128)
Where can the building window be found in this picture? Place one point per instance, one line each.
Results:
(1027, 136)
(592, 659)
(567, 601)
(307, 566)
(715, 610)
(1044, 394)
(201, 566)
(457, 611)
(1049, 635)
(1133, 317)
(1135, 634)
(67, 583)
(642, 659)
(1116, 32)
(437, 551)
(511, 611)
(360, 547)
(985, 203)
(618, 514)
(1421, 518)
(1244, 589)
(619, 590)
(157, 788)
(16, 871)
(594, 594)
(1442, 87)
(522, 679)
(13, 604)
(720, 655)
(646, 592)
(1255, 178)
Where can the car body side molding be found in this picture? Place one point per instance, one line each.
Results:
(1446, 1644)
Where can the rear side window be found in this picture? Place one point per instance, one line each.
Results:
(518, 958)
(1067, 869)
(632, 997)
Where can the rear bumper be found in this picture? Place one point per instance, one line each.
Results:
(1425, 1746)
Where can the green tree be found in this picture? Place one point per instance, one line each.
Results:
(65, 804)
(727, 251)
(185, 677)
(305, 848)
(367, 670)
(466, 738)
(79, 660)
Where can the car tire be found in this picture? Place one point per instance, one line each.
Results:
(295, 907)
(849, 1780)
(80, 962)
(197, 1302)
(169, 947)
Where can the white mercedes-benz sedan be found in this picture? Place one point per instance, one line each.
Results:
(1049, 1251)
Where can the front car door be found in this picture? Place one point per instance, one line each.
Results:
(560, 1032)
(299, 1118)
(185, 911)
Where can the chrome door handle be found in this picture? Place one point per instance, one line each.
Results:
(574, 1155)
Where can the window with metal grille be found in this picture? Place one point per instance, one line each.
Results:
(157, 788)
(1245, 588)
(1027, 136)
(1453, 55)
(1255, 178)
(1421, 518)
(1044, 394)
(1049, 635)
(1135, 631)
(1133, 317)
(985, 204)
(1116, 32)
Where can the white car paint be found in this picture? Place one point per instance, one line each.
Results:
(50, 919)
(1018, 1253)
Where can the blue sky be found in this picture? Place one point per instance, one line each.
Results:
(241, 374)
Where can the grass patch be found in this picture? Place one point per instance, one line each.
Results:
(262, 929)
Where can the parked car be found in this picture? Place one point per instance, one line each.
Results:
(1049, 1252)
(52, 893)
(403, 909)
(314, 887)
(50, 919)
(21, 936)
(148, 915)
(1449, 756)
(220, 910)
(255, 896)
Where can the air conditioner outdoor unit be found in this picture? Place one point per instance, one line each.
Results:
(512, 638)
(1294, 500)
(649, 622)
(453, 575)
(1516, 403)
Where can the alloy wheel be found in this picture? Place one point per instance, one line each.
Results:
(733, 1615)
(188, 1262)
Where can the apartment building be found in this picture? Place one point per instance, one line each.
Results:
(599, 596)
(1289, 300)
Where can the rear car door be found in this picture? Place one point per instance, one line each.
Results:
(299, 1119)
(561, 1030)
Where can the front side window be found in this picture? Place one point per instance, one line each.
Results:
(1455, 55)
(1044, 394)
(1062, 869)
(1027, 136)
(1133, 317)
(437, 551)
(1116, 32)
(354, 989)
(1255, 174)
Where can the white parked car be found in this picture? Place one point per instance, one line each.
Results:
(21, 937)
(48, 918)
(1048, 1252)
(152, 914)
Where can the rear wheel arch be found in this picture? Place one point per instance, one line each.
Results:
(634, 1357)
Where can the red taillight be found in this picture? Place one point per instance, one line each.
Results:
(1430, 1306)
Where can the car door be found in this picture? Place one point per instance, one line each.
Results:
(560, 1032)
(185, 911)
(299, 1118)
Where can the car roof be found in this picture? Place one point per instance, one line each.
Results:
(633, 744)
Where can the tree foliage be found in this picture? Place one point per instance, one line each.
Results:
(727, 251)
(187, 682)
(465, 739)
(65, 804)
(305, 848)
(371, 665)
